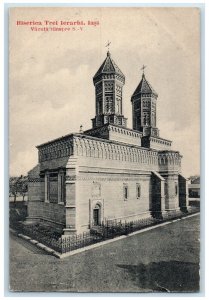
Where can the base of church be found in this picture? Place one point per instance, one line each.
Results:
(57, 227)
(158, 214)
(169, 212)
(31, 221)
(69, 231)
(184, 209)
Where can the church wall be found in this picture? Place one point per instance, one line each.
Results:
(94, 148)
(48, 212)
(98, 173)
(169, 161)
(157, 195)
(35, 190)
(103, 152)
(171, 191)
(35, 185)
(130, 208)
(111, 199)
(39, 207)
(183, 192)
(159, 146)
(125, 136)
(156, 143)
(116, 133)
(55, 163)
(104, 185)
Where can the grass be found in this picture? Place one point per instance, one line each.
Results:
(17, 212)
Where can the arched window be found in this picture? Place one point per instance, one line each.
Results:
(138, 190)
(118, 106)
(109, 104)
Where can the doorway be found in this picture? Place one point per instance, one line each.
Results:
(97, 215)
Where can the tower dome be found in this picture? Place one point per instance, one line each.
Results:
(109, 67)
(108, 82)
(144, 101)
(144, 87)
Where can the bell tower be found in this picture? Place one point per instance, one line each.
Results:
(144, 101)
(108, 82)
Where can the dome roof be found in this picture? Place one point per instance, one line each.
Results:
(144, 87)
(109, 67)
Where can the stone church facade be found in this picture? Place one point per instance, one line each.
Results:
(109, 172)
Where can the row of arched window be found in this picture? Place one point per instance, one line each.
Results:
(169, 159)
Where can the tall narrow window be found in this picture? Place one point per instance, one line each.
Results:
(176, 188)
(138, 190)
(118, 106)
(125, 191)
(109, 104)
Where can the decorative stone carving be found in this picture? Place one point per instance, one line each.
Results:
(96, 189)
(61, 148)
(111, 178)
(70, 178)
(37, 179)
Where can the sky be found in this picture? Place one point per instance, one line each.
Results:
(51, 92)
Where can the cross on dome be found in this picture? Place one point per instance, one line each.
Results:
(108, 47)
(108, 44)
(143, 67)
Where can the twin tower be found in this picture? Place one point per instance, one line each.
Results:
(108, 82)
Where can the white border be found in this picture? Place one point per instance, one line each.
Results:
(3, 151)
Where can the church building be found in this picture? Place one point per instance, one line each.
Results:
(109, 172)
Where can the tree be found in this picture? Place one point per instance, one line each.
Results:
(18, 185)
(13, 187)
(23, 186)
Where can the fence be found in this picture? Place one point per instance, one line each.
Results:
(79, 241)
(43, 236)
(107, 230)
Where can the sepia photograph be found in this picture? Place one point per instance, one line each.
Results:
(104, 149)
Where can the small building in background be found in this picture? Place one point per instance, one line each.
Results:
(194, 191)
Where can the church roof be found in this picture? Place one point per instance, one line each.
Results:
(144, 87)
(109, 67)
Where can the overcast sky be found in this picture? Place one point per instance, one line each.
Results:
(51, 89)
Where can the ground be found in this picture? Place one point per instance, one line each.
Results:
(162, 259)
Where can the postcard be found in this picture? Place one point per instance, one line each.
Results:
(104, 138)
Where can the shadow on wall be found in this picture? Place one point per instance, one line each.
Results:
(171, 276)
